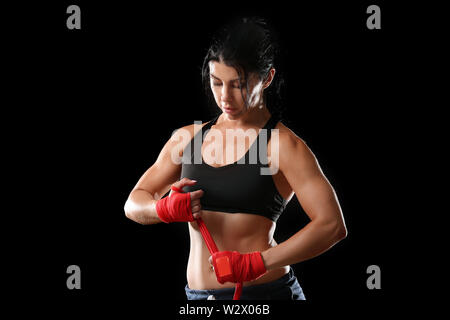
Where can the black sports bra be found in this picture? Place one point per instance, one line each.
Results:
(238, 187)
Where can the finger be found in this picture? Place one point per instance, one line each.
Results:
(197, 214)
(196, 208)
(184, 182)
(195, 202)
(196, 194)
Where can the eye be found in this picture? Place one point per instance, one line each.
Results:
(217, 84)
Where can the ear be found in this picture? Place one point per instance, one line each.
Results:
(269, 78)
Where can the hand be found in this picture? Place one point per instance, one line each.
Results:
(196, 207)
(232, 266)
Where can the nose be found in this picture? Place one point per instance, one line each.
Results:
(225, 94)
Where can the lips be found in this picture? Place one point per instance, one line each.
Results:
(228, 110)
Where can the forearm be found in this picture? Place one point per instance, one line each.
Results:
(312, 240)
(141, 207)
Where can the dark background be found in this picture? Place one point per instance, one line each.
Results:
(97, 105)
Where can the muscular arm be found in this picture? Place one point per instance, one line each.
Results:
(156, 181)
(318, 199)
(141, 207)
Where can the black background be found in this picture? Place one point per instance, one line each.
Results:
(97, 104)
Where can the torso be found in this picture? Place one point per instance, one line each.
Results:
(235, 232)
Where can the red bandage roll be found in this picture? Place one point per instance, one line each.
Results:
(175, 208)
(232, 266)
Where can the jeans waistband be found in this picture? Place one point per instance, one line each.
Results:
(282, 281)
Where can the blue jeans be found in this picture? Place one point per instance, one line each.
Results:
(284, 288)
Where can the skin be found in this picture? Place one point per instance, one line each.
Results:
(299, 173)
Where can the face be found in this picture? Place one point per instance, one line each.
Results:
(227, 90)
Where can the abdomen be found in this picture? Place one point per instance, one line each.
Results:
(234, 232)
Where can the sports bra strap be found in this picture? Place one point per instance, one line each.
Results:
(208, 126)
(271, 123)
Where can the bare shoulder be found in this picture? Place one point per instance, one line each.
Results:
(187, 131)
(182, 136)
(289, 140)
(295, 157)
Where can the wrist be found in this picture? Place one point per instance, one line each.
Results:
(267, 259)
(160, 209)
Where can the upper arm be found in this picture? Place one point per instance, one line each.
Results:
(312, 188)
(167, 168)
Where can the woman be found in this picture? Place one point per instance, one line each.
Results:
(236, 200)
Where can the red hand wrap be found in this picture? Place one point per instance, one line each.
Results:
(240, 268)
(176, 207)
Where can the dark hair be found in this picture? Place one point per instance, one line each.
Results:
(249, 45)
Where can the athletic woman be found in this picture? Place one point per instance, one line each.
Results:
(215, 172)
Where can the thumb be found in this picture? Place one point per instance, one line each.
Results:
(211, 262)
(197, 194)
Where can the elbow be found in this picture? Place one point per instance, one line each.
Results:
(129, 212)
(132, 213)
(334, 230)
(126, 209)
(340, 232)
